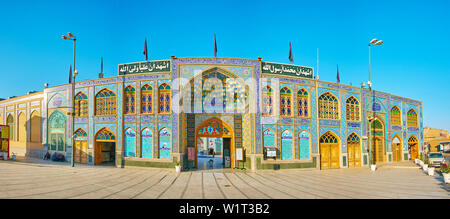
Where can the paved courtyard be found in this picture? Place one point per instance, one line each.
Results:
(47, 180)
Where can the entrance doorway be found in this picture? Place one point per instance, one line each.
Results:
(329, 151)
(354, 150)
(213, 153)
(81, 146)
(413, 147)
(214, 145)
(378, 146)
(105, 147)
(396, 149)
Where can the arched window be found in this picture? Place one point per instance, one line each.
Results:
(164, 143)
(267, 103)
(304, 145)
(81, 104)
(130, 143)
(352, 109)
(80, 133)
(285, 102)
(147, 99)
(286, 145)
(302, 103)
(412, 118)
(328, 106)
(130, 97)
(105, 103)
(10, 123)
(104, 135)
(396, 116)
(147, 143)
(164, 98)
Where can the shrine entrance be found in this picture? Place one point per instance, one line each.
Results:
(413, 147)
(377, 144)
(214, 145)
(396, 149)
(329, 151)
(105, 147)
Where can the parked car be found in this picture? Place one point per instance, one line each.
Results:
(436, 159)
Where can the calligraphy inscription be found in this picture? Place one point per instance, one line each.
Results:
(289, 70)
(144, 67)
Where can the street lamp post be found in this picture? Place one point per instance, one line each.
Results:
(370, 119)
(72, 37)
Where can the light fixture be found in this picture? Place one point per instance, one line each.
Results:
(373, 41)
(379, 42)
(75, 72)
(70, 34)
(65, 37)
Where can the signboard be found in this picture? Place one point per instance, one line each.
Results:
(287, 70)
(144, 67)
(270, 152)
(239, 156)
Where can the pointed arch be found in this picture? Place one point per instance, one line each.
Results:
(10, 123)
(80, 133)
(396, 115)
(81, 104)
(303, 103)
(21, 127)
(129, 94)
(146, 99)
(329, 144)
(105, 103)
(413, 146)
(164, 98)
(328, 106)
(267, 101)
(57, 126)
(285, 102)
(352, 109)
(304, 144)
(165, 143)
(105, 135)
(146, 143)
(287, 143)
(269, 138)
(35, 126)
(130, 142)
(412, 118)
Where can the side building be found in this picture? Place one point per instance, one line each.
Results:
(273, 115)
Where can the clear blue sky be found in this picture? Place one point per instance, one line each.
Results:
(413, 61)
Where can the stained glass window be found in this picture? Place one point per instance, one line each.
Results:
(164, 98)
(105, 135)
(285, 102)
(302, 103)
(328, 106)
(147, 99)
(81, 104)
(105, 103)
(396, 116)
(352, 109)
(80, 133)
(267, 94)
(353, 139)
(130, 99)
(328, 137)
(412, 118)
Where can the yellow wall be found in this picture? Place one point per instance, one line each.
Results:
(35, 127)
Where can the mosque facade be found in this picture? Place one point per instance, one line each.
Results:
(258, 115)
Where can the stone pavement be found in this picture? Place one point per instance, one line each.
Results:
(49, 180)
